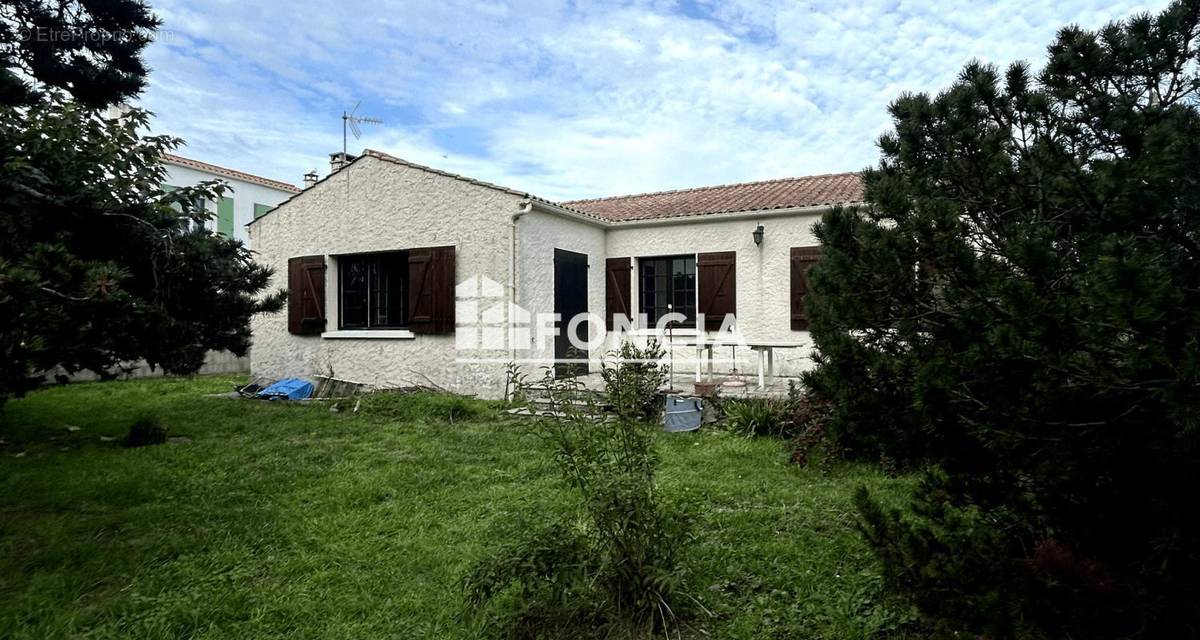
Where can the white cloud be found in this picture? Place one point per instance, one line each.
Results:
(576, 100)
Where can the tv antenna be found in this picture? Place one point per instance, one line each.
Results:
(350, 123)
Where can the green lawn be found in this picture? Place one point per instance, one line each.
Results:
(290, 521)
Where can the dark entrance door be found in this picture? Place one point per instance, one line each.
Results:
(570, 299)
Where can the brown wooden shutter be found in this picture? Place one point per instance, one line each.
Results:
(802, 259)
(431, 290)
(717, 286)
(306, 295)
(617, 273)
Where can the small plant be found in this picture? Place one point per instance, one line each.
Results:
(632, 383)
(515, 385)
(424, 406)
(796, 417)
(612, 563)
(146, 430)
(763, 416)
(535, 580)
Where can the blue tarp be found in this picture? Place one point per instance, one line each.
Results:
(288, 389)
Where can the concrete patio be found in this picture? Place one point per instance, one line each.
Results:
(685, 384)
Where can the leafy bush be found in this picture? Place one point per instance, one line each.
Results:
(535, 582)
(632, 383)
(425, 406)
(615, 561)
(797, 417)
(1018, 307)
(759, 416)
(146, 430)
(811, 440)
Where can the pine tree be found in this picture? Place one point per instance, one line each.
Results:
(97, 264)
(1017, 310)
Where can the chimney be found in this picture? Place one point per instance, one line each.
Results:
(339, 160)
(310, 178)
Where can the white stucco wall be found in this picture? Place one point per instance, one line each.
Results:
(377, 205)
(763, 274)
(244, 194)
(538, 235)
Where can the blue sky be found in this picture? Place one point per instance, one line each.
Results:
(574, 99)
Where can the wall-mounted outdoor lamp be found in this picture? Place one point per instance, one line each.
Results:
(758, 235)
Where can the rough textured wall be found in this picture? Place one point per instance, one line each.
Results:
(763, 276)
(376, 205)
(538, 235)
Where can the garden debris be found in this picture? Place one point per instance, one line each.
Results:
(329, 387)
(288, 389)
(321, 388)
(255, 385)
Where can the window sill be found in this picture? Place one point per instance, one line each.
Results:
(369, 334)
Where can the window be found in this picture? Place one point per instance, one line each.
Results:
(261, 210)
(668, 281)
(372, 290)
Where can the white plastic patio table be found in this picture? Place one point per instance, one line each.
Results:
(764, 349)
(766, 356)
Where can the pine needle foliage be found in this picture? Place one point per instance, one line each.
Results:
(1017, 309)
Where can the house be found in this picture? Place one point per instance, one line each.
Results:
(251, 195)
(400, 274)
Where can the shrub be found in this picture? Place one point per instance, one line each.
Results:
(424, 406)
(1018, 306)
(615, 561)
(811, 440)
(759, 416)
(632, 383)
(796, 416)
(535, 581)
(146, 430)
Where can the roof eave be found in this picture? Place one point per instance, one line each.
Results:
(730, 215)
(546, 206)
(226, 172)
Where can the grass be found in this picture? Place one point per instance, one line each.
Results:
(272, 520)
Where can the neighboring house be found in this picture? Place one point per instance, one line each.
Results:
(250, 197)
(401, 274)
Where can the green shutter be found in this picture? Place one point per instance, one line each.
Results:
(260, 209)
(225, 217)
(168, 188)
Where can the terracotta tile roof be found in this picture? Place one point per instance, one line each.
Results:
(181, 161)
(808, 191)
